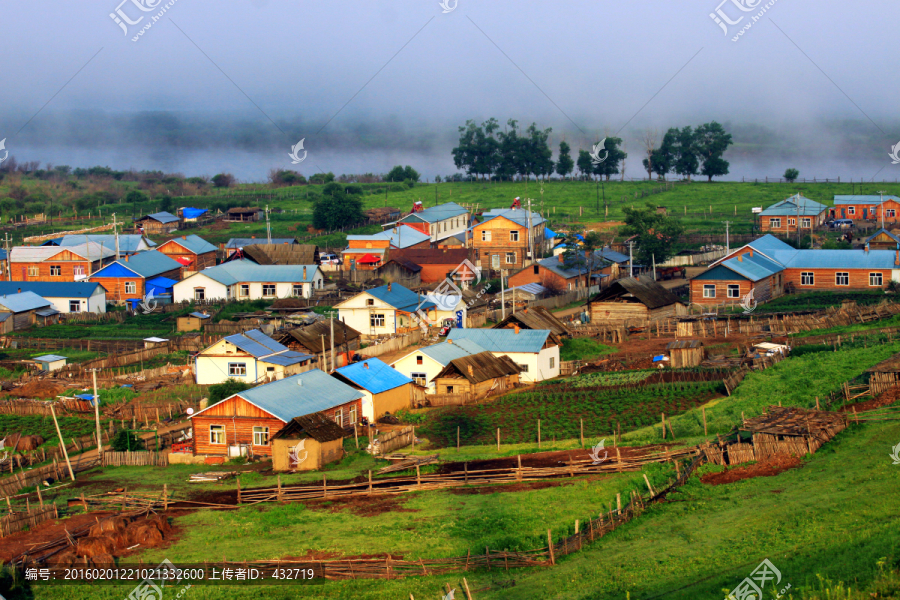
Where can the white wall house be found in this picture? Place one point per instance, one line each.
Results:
(385, 310)
(535, 350)
(65, 296)
(441, 221)
(246, 280)
(424, 364)
(251, 357)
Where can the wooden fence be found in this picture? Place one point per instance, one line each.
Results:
(135, 459)
(460, 399)
(476, 320)
(10, 486)
(399, 438)
(92, 317)
(19, 520)
(393, 344)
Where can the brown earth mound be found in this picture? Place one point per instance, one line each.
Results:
(112, 537)
(363, 506)
(40, 388)
(886, 398)
(769, 468)
(23, 443)
(525, 486)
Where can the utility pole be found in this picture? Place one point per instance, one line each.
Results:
(881, 207)
(8, 271)
(97, 415)
(332, 342)
(630, 258)
(324, 356)
(727, 239)
(268, 227)
(530, 240)
(502, 295)
(115, 232)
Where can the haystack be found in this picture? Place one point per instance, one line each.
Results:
(112, 525)
(40, 388)
(92, 546)
(23, 443)
(148, 532)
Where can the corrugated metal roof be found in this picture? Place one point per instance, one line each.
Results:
(862, 199)
(310, 336)
(282, 254)
(128, 243)
(46, 312)
(162, 282)
(754, 267)
(882, 231)
(290, 357)
(373, 375)
(535, 289)
(299, 395)
(4, 316)
(244, 271)
(535, 317)
(649, 293)
(255, 342)
(549, 233)
(437, 213)
(49, 358)
(200, 315)
(519, 216)
(51, 289)
(399, 297)
(480, 367)
(40, 253)
(837, 259)
(769, 242)
(444, 352)
(148, 263)
(503, 340)
(611, 255)
(162, 217)
(23, 302)
(241, 242)
(568, 270)
(194, 243)
(796, 204)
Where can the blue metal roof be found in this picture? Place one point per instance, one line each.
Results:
(145, 264)
(437, 213)
(285, 359)
(503, 340)
(47, 358)
(200, 315)
(51, 289)
(885, 232)
(128, 243)
(611, 255)
(46, 312)
(548, 233)
(404, 237)
(837, 259)
(518, 216)
(862, 199)
(4, 316)
(163, 217)
(300, 395)
(768, 243)
(400, 297)
(241, 242)
(243, 271)
(568, 270)
(255, 342)
(23, 302)
(796, 204)
(161, 282)
(445, 352)
(754, 267)
(195, 244)
(373, 375)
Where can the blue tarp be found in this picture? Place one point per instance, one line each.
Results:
(192, 213)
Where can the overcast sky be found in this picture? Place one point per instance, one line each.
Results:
(370, 83)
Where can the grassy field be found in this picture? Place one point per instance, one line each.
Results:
(43, 426)
(820, 300)
(73, 354)
(583, 349)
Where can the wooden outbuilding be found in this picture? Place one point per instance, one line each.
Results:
(192, 322)
(310, 339)
(478, 375)
(400, 271)
(280, 254)
(242, 214)
(884, 375)
(536, 317)
(637, 302)
(307, 443)
(685, 353)
(385, 390)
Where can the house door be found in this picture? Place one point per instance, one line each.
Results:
(843, 213)
(865, 213)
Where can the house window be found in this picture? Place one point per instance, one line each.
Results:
(807, 278)
(55, 270)
(449, 389)
(523, 367)
(792, 221)
(298, 289)
(353, 414)
(420, 359)
(237, 369)
(537, 270)
(339, 417)
(889, 213)
(485, 235)
(376, 320)
(734, 291)
(420, 378)
(709, 290)
(805, 223)
(33, 271)
(552, 362)
(130, 287)
(851, 210)
(260, 436)
(514, 236)
(216, 434)
(228, 293)
(245, 291)
(268, 290)
(495, 261)
(370, 302)
(199, 293)
(842, 278)
(78, 270)
(510, 258)
(74, 306)
(775, 223)
(875, 279)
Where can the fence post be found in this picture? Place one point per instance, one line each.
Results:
(550, 547)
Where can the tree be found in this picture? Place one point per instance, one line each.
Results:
(564, 162)
(465, 155)
(511, 157)
(585, 165)
(711, 142)
(322, 177)
(791, 175)
(410, 174)
(223, 180)
(227, 388)
(648, 139)
(336, 208)
(684, 152)
(614, 156)
(656, 233)
(534, 152)
(581, 252)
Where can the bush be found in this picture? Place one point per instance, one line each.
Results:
(229, 387)
(791, 175)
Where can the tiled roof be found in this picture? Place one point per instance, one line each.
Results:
(373, 375)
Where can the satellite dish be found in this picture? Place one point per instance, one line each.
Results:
(190, 411)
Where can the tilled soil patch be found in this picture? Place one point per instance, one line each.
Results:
(363, 506)
(769, 468)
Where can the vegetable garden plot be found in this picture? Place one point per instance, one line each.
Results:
(561, 411)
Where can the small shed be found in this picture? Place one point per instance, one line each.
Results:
(307, 443)
(535, 317)
(50, 362)
(153, 342)
(883, 240)
(161, 222)
(242, 214)
(634, 302)
(884, 375)
(192, 322)
(478, 375)
(685, 353)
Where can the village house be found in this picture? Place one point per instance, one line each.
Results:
(246, 280)
(49, 362)
(368, 252)
(248, 420)
(423, 365)
(866, 207)
(438, 222)
(381, 214)
(386, 310)
(250, 357)
(783, 217)
(790, 270)
(637, 302)
(555, 274)
(192, 251)
(243, 214)
(279, 254)
(157, 223)
(127, 243)
(54, 263)
(315, 339)
(385, 391)
(882, 240)
(192, 322)
(23, 310)
(478, 375)
(501, 240)
(535, 351)
(191, 215)
(65, 296)
(126, 278)
(235, 244)
(307, 443)
(439, 263)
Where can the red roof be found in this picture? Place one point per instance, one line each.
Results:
(369, 258)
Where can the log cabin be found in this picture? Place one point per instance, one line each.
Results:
(307, 443)
(685, 353)
(192, 251)
(250, 418)
(157, 223)
(478, 375)
(536, 317)
(637, 302)
(126, 278)
(882, 240)
(501, 240)
(54, 263)
(782, 217)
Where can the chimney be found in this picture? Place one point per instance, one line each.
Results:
(517, 330)
(126, 258)
(740, 258)
(366, 364)
(449, 341)
(19, 291)
(471, 371)
(867, 248)
(562, 257)
(184, 237)
(252, 237)
(751, 252)
(389, 287)
(304, 272)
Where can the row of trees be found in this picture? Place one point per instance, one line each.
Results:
(688, 151)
